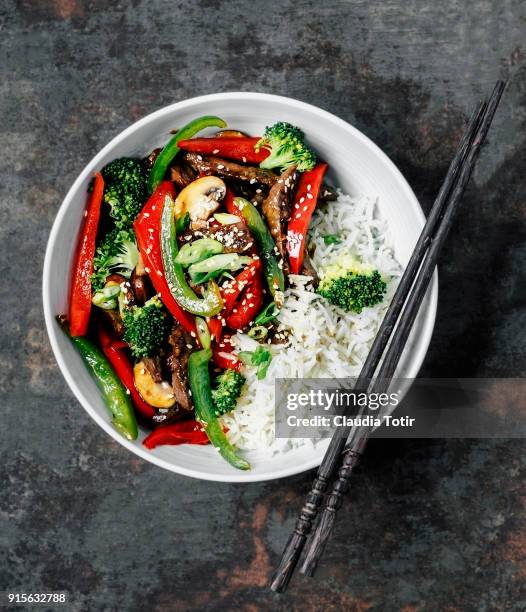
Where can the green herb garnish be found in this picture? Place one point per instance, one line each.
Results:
(261, 358)
(332, 239)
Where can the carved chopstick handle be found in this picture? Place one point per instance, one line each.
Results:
(333, 503)
(298, 537)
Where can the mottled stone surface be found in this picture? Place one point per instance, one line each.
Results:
(434, 525)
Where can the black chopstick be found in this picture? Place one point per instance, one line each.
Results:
(297, 539)
(356, 446)
(332, 457)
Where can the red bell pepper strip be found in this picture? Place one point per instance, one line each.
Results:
(246, 309)
(305, 201)
(147, 227)
(230, 292)
(231, 206)
(183, 432)
(216, 328)
(80, 295)
(232, 289)
(115, 353)
(224, 359)
(237, 148)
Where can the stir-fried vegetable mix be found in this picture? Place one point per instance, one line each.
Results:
(182, 250)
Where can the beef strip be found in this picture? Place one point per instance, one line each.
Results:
(234, 237)
(307, 269)
(276, 207)
(174, 413)
(113, 318)
(182, 345)
(327, 193)
(181, 173)
(153, 365)
(216, 166)
(254, 193)
(149, 161)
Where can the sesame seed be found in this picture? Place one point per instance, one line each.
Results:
(199, 158)
(298, 215)
(220, 166)
(147, 270)
(296, 205)
(192, 333)
(244, 160)
(189, 346)
(302, 200)
(146, 215)
(310, 196)
(258, 190)
(215, 151)
(308, 187)
(305, 208)
(252, 181)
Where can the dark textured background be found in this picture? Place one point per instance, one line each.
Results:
(434, 525)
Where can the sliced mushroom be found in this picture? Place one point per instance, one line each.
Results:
(159, 395)
(201, 198)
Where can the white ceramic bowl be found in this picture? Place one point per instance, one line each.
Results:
(357, 166)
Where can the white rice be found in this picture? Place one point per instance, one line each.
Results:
(324, 341)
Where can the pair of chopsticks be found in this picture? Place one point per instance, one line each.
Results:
(348, 444)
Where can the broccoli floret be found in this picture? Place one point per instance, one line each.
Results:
(145, 327)
(124, 189)
(225, 395)
(116, 253)
(351, 286)
(286, 144)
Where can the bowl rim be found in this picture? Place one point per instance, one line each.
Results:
(49, 316)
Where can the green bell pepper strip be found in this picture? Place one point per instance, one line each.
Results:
(267, 249)
(198, 250)
(218, 263)
(114, 393)
(170, 150)
(199, 379)
(203, 333)
(181, 291)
